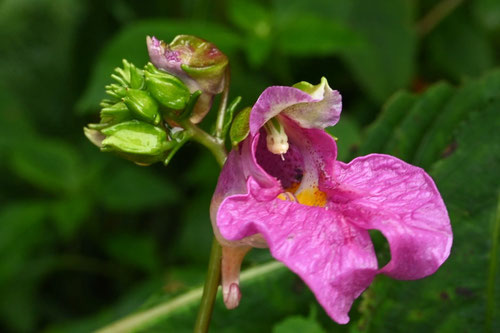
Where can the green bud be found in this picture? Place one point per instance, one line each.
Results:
(115, 113)
(116, 90)
(134, 140)
(142, 105)
(167, 89)
(129, 76)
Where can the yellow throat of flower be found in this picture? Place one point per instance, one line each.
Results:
(309, 196)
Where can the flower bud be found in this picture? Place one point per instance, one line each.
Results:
(166, 88)
(116, 91)
(129, 76)
(198, 63)
(115, 113)
(142, 105)
(135, 140)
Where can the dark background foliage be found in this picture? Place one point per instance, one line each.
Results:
(87, 238)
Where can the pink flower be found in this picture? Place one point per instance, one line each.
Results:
(314, 212)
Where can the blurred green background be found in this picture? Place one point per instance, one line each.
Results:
(87, 238)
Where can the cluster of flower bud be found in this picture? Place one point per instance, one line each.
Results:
(140, 118)
(132, 119)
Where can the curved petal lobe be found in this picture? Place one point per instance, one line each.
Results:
(272, 102)
(382, 192)
(335, 259)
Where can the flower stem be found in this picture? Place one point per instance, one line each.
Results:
(219, 124)
(215, 145)
(217, 148)
(209, 289)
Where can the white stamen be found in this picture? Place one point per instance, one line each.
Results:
(277, 140)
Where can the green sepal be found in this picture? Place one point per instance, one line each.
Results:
(116, 113)
(116, 91)
(230, 114)
(167, 89)
(190, 105)
(135, 137)
(240, 127)
(312, 89)
(129, 76)
(212, 71)
(142, 105)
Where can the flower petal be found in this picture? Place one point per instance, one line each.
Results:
(165, 59)
(319, 110)
(382, 192)
(272, 102)
(335, 259)
(323, 113)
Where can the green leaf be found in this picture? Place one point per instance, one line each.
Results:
(488, 13)
(312, 35)
(51, 165)
(240, 127)
(250, 16)
(131, 189)
(228, 119)
(449, 39)
(439, 135)
(409, 132)
(69, 214)
(382, 128)
(385, 63)
(297, 324)
(130, 43)
(22, 233)
(135, 250)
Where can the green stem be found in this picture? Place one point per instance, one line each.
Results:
(215, 145)
(210, 288)
(219, 124)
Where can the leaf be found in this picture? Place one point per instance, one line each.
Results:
(130, 44)
(409, 132)
(135, 250)
(131, 189)
(51, 165)
(256, 23)
(471, 96)
(449, 39)
(420, 130)
(69, 214)
(488, 13)
(381, 130)
(22, 232)
(249, 16)
(385, 63)
(297, 324)
(312, 35)
(240, 127)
